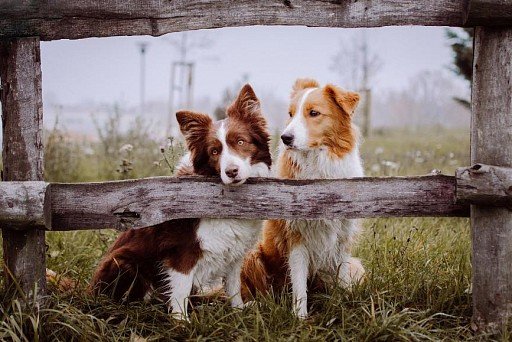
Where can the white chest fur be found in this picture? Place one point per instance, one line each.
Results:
(224, 243)
(327, 241)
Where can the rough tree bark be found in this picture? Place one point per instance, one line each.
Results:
(485, 185)
(491, 143)
(60, 19)
(22, 205)
(22, 118)
(144, 202)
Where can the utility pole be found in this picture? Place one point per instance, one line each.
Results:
(357, 66)
(365, 87)
(143, 47)
(180, 89)
(180, 85)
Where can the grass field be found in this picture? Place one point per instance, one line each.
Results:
(417, 285)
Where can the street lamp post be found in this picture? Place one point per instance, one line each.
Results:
(143, 47)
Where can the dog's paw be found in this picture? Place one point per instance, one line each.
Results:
(249, 304)
(356, 272)
(302, 315)
(180, 317)
(301, 312)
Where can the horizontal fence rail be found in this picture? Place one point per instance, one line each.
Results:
(64, 19)
(485, 185)
(146, 202)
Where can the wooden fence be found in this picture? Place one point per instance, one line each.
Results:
(29, 206)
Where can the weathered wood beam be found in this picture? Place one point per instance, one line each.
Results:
(22, 205)
(489, 13)
(146, 202)
(484, 185)
(63, 19)
(22, 123)
(491, 143)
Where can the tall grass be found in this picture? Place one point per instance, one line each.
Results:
(417, 286)
(116, 154)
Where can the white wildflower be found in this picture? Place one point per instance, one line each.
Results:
(126, 148)
(392, 165)
(88, 151)
(375, 168)
(170, 142)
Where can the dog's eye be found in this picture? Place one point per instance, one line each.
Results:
(314, 113)
(215, 152)
(240, 142)
(290, 113)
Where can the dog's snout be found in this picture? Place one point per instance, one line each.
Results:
(287, 139)
(232, 171)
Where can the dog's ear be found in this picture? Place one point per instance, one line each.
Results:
(247, 108)
(346, 100)
(194, 126)
(246, 104)
(301, 84)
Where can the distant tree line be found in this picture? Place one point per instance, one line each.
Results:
(462, 47)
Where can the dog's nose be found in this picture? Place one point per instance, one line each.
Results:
(232, 171)
(287, 139)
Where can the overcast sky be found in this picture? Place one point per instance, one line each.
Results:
(106, 70)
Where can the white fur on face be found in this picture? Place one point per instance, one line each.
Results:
(229, 159)
(297, 126)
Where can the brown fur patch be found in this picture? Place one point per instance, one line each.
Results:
(301, 84)
(199, 133)
(287, 168)
(266, 266)
(130, 268)
(347, 100)
(246, 123)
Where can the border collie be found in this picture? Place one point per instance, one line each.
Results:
(320, 141)
(173, 257)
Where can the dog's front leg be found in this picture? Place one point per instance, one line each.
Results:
(179, 288)
(233, 285)
(299, 270)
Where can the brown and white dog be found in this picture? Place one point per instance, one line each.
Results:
(175, 256)
(320, 141)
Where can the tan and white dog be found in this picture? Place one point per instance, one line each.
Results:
(320, 141)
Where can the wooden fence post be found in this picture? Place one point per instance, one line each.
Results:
(22, 118)
(491, 143)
